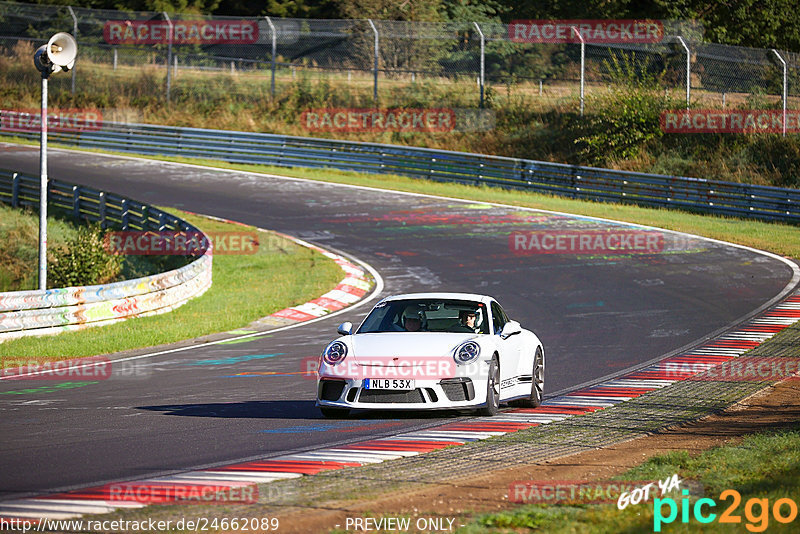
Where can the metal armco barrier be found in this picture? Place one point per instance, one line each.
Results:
(694, 194)
(55, 310)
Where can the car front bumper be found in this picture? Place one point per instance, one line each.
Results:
(449, 393)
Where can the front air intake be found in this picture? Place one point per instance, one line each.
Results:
(331, 390)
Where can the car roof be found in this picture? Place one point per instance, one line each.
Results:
(454, 296)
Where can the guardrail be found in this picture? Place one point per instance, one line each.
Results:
(55, 310)
(694, 194)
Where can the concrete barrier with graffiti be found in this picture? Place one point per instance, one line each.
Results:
(56, 310)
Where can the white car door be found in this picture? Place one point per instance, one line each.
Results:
(510, 349)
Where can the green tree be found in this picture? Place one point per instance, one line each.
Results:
(474, 11)
(170, 6)
(752, 23)
(83, 260)
(319, 9)
(622, 121)
(569, 9)
(417, 10)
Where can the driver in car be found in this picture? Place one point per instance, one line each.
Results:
(466, 321)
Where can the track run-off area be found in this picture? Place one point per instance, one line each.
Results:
(605, 304)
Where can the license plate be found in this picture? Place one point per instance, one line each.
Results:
(388, 383)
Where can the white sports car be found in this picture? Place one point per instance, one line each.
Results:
(431, 351)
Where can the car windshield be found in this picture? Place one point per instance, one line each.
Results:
(427, 315)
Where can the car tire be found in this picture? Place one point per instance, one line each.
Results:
(537, 383)
(492, 390)
(334, 413)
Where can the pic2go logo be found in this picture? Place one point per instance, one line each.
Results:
(758, 520)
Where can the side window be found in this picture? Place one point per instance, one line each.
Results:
(499, 318)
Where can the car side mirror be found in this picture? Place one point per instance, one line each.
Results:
(511, 328)
(345, 329)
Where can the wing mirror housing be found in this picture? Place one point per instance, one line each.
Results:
(345, 329)
(511, 328)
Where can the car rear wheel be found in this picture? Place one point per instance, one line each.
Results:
(334, 413)
(492, 390)
(537, 383)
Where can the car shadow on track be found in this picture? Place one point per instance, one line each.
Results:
(285, 410)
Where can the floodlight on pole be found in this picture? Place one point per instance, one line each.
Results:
(57, 55)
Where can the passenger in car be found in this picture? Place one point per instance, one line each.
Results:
(411, 319)
(413, 324)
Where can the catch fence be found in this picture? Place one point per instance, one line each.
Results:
(388, 63)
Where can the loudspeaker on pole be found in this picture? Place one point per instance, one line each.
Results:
(58, 54)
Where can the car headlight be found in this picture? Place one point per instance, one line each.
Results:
(467, 353)
(334, 353)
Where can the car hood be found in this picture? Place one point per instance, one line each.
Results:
(404, 348)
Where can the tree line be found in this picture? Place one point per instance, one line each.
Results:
(752, 23)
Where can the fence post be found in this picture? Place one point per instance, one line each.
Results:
(14, 190)
(102, 206)
(784, 91)
(169, 53)
(375, 68)
(75, 35)
(483, 58)
(76, 202)
(124, 209)
(274, 51)
(688, 70)
(583, 63)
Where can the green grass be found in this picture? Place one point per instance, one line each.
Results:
(245, 288)
(19, 254)
(762, 466)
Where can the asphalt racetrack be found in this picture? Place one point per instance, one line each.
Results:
(597, 314)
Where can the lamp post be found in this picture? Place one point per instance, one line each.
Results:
(688, 70)
(57, 55)
(785, 89)
(583, 61)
